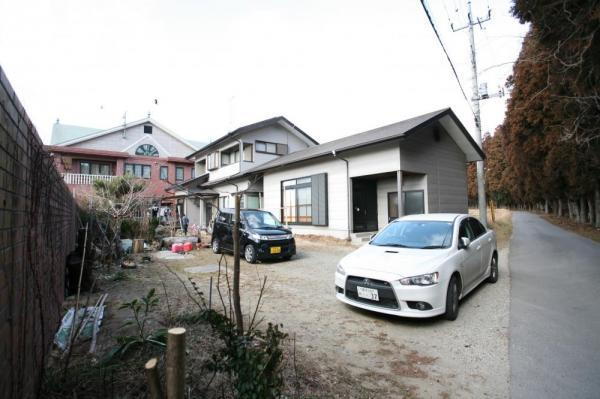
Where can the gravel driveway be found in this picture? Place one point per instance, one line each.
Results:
(396, 356)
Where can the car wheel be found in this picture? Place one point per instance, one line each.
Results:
(452, 300)
(493, 270)
(216, 246)
(250, 253)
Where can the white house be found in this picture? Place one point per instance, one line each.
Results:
(351, 185)
(222, 166)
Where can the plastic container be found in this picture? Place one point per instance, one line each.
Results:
(177, 248)
(187, 246)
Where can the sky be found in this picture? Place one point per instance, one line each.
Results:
(332, 67)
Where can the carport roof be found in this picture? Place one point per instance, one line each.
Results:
(403, 129)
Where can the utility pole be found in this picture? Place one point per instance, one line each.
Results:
(475, 101)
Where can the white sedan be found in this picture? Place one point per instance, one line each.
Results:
(419, 266)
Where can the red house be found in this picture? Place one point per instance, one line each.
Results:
(143, 149)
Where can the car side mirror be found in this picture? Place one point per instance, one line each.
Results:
(464, 243)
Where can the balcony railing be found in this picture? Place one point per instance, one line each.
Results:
(77, 178)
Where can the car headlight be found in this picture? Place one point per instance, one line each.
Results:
(258, 237)
(423, 279)
(339, 269)
(255, 237)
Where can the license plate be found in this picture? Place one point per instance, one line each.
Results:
(275, 250)
(368, 293)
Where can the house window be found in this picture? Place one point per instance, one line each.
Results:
(147, 150)
(304, 200)
(250, 201)
(271, 148)
(94, 168)
(212, 161)
(230, 156)
(138, 170)
(179, 173)
(414, 202)
(193, 172)
(164, 172)
(248, 153)
(148, 129)
(223, 202)
(392, 206)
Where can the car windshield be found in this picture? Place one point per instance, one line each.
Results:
(415, 234)
(260, 220)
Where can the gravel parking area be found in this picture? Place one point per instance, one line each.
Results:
(395, 356)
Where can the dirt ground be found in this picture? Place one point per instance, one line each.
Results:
(340, 351)
(392, 356)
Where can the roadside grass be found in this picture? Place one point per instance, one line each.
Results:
(502, 225)
(584, 230)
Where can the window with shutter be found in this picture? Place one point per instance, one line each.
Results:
(305, 200)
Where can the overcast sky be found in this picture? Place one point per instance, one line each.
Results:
(333, 67)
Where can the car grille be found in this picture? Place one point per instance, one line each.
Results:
(284, 244)
(387, 299)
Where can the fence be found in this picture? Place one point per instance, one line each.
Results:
(77, 178)
(37, 230)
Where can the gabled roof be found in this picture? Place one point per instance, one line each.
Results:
(86, 151)
(91, 135)
(62, 133)
(281, 120)
(402, 129)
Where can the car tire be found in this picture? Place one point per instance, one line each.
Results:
(216, 246)
(452, 300)
(250, 253)
(493, 270)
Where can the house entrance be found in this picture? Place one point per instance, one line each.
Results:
(364, 204)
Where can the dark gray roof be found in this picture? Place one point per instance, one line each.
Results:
(249, 128)
(381, 134)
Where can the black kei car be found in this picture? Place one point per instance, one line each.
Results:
(262, 236)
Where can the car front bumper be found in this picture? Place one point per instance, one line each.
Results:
(288, 248)
(434, 295)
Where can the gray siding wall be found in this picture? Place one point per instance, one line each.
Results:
(167, 145)
(445, 165)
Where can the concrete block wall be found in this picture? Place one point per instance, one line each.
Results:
(38, 228)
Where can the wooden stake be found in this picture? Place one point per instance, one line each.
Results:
(210, 294)
(239, 321)
(153, 380)
(176, 363)
(138, 246)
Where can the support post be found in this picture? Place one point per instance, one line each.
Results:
(399, 190)
(153, 380)
(176, 363)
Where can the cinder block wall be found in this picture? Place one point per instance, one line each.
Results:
(38, 228)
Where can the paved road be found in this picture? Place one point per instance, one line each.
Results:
(555, 311)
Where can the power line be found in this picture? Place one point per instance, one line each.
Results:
(447, 55)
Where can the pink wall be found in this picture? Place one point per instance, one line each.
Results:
(155, 186)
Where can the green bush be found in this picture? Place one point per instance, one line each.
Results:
(130, 228)
(253, 359)
(152, 225)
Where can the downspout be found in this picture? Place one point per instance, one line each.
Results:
(347, 190)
